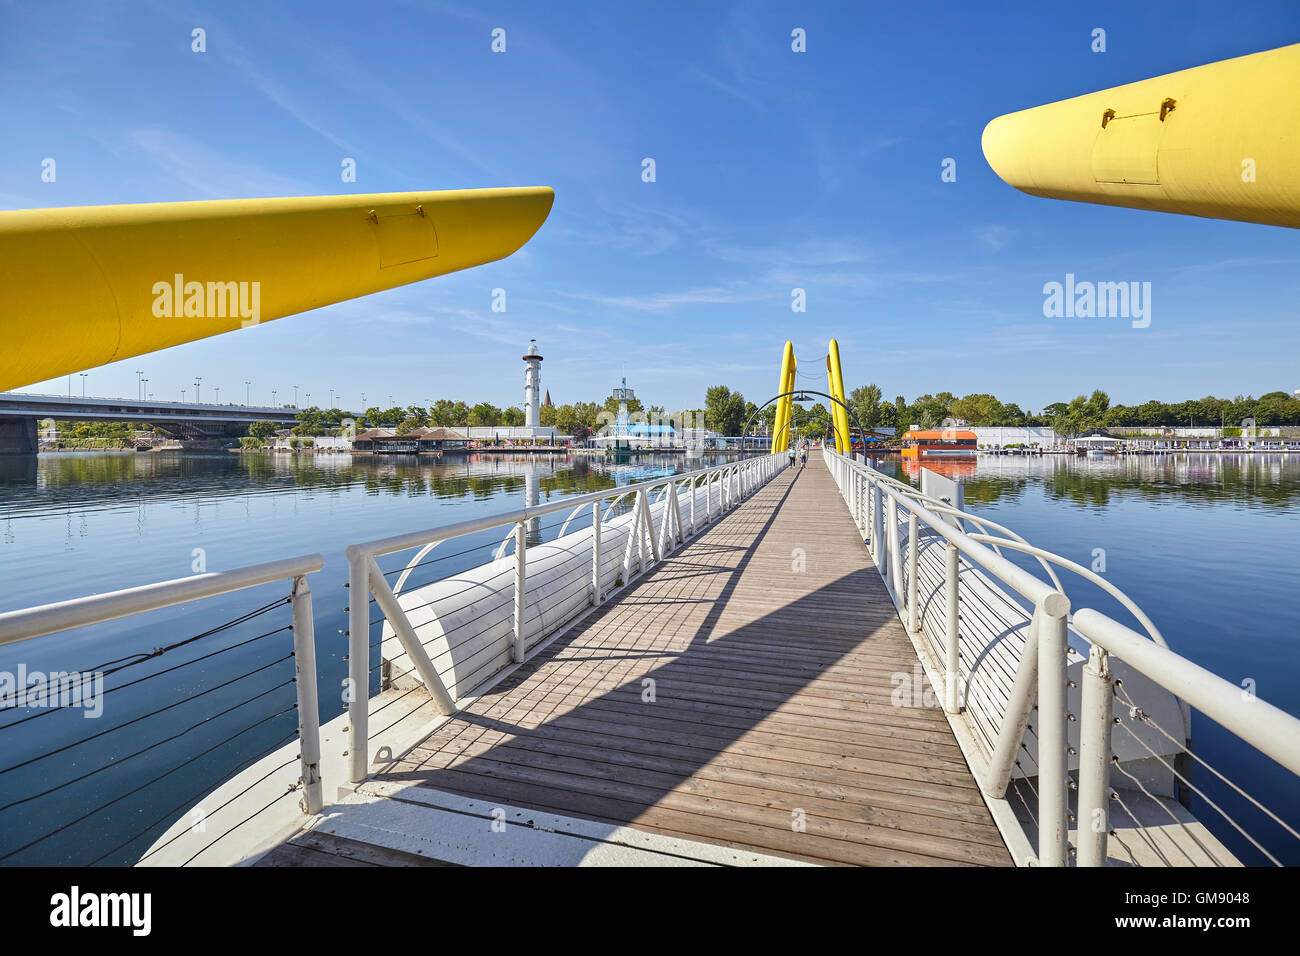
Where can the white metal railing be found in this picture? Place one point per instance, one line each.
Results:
(882, 506)
(576, 570)
(24, 625)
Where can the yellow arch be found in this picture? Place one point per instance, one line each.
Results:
(81, 287)
(781, 435)
(783, 405)
(836, 383)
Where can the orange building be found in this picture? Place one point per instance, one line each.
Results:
(944, 442)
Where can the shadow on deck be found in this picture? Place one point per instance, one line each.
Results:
(754, 691)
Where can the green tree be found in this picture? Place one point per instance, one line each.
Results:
(485, 415)
(817, 424)
(261, 430)
(311, 421)
(724, 410)
(588, 414)
(929, 411)
(865, 401)
(443, 414)
(978, 409)
(409, 424)
(611, 405)
(902, 415)
(1011, 415)
(513, 417)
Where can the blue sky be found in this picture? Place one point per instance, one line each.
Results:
(775, 170)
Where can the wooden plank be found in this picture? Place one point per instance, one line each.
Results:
(775, 654)
(314, 848)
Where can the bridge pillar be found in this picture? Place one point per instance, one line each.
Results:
(17, 436)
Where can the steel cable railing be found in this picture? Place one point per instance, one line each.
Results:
(891, 516)
(552, 579)
(167, 741)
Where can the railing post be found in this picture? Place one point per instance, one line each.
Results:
(357, 692)
(864, 500)
(667, 535)
(304, 656)
(409, 640)
(596, 597)
(913, 611)
(517, 648)
(1015, 716)
(895, 555)
(952, 677)
(1053, 830)
(693, 507)
(675, 503)
(649, 533)
(877, 525)
(1095, 721)
(633, 538)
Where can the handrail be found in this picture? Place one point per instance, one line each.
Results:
(984, 524)
(1042, 676)
(412, 564)
(30, 623)
(21, 625)
(1045, 555)
(736, 481)
(415, 539)
(1271, 731)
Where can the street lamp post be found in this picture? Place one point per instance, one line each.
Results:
(272, 398)
(217, 400)
(295, 396)
(247, 386)
(139, 384)
(83, 383)
(182, 396)
(197, 380)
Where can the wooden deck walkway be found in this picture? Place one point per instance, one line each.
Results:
(773, 651)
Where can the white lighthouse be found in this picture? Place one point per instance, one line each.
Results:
(532, 386)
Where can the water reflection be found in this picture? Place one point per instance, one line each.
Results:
(1249, 479)
(87, 480)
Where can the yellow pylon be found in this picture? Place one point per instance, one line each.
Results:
(81, 287)
(1220, 140)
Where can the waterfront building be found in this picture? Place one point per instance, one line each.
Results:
(946, 441)
(532, 431)
(1000, 436)
(387, 441)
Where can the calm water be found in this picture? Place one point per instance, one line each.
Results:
(1206, 544)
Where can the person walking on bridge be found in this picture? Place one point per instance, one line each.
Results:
(803, 457)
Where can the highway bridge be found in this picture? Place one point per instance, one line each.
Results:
(20, 413)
